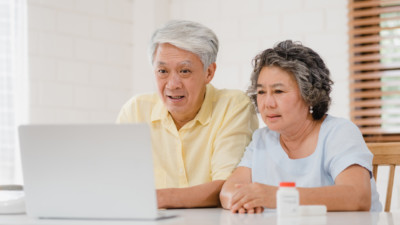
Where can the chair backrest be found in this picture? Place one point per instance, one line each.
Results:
(387, 154)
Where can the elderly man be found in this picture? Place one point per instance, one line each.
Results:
(199, 133)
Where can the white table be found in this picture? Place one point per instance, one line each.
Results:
(214, 216)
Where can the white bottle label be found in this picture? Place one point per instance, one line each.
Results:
(287, 202)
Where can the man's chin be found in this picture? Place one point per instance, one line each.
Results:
(176, 110)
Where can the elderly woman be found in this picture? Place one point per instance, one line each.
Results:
(326, 156)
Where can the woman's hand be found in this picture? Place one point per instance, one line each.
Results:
(253, 197)
(241, 175)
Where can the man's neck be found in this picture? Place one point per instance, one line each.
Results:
(181, 121)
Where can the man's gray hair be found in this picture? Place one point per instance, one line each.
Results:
(187, 35)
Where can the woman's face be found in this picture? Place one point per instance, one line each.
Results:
(279, 100)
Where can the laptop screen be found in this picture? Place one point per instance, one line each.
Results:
(88, 171)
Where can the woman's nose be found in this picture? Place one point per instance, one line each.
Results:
(268, 101)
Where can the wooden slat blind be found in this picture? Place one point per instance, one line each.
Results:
(374, 47)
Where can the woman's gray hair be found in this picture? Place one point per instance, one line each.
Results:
(187, 35)
(308, 69)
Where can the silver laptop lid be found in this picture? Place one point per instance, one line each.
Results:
(88, 171)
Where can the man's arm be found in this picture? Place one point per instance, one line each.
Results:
(203, 195)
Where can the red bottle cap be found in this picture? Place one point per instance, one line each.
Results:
(287, 184)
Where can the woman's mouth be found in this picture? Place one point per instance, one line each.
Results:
(273, 116)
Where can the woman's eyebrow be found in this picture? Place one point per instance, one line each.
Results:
(272, 85)
(277, 85)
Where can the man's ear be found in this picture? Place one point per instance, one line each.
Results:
(210, 72)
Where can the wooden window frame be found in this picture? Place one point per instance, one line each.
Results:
(374, 64)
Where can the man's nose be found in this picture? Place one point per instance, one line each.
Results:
(174, 81)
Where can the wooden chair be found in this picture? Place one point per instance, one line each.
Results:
(386, 154)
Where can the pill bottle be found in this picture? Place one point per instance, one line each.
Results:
(287, 199)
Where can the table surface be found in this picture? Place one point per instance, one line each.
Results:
(214, 216)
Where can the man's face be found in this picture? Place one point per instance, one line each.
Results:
(181, 81)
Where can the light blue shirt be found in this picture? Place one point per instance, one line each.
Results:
(340, 145)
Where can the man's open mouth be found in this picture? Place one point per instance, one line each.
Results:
(175, 97)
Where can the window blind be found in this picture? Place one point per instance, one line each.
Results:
(374, 55)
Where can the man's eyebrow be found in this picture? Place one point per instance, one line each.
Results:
(160, 63)
(185, 62)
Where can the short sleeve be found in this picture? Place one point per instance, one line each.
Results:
(247, 159)
(345, 146)
(235, 134)
(138, 109)
(127, 112)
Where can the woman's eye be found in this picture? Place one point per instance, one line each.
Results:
(260, 92)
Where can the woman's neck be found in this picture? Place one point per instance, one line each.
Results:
(302, 142)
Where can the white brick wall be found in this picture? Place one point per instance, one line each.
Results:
(87, 57)
(80, 56)
(245, 28)
(101, 44)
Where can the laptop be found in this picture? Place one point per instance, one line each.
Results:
(88, 171)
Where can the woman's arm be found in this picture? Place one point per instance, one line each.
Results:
(241, 175)
(351, 192)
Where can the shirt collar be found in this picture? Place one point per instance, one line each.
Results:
(159, 112)
(204, 115)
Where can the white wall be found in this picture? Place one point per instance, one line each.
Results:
(80, 56)
(247, 27)
(87, 57)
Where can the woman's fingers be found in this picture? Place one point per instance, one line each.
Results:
(259, 209)
(247, 199)
(252, 203)
(250, 211)
(239, 198)
(242, 210)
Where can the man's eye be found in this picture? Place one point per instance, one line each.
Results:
(162, 71)
(278, 91)
(185, 71)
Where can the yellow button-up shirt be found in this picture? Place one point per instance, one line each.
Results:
(206, 148)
